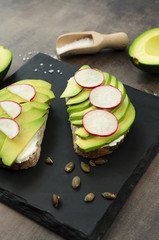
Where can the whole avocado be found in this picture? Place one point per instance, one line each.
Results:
(144, 51)
(5, 61)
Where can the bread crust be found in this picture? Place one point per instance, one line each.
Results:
(33, 159)
(100, 152)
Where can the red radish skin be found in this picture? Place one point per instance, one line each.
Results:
(83, 74)
(100, 123)
(12, 108)
(25, 91)
(7, 126)
(105, 97)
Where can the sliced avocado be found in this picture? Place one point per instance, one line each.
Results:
(45, 91)
(71, 89)
(36, 82)
(81, 97)
(122, 89)
(30, 115)
(81, 132)
(113, 81)
(122, 109)
(77, 123)
(2, 139)
(5, 61)
(13, 147)
(94, 143)
(79, 107)
(79, 115)
(107, 77)
(27, 105)
(144, 51)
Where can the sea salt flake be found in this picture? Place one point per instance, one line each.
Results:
(45, 72)
(35, 70)
(41, 64)
(58, 70)
(24, 59)
(51, 71)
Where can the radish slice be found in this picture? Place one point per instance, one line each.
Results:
(89, 78)
(25, 91)
(106, 97)
(100, 123)
(9, 127)
(13, 109)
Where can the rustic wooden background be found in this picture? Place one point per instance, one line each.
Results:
(31, 26)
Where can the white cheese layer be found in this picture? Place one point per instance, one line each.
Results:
(29, 149)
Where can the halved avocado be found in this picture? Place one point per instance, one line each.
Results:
(144, 51)
(5, 61)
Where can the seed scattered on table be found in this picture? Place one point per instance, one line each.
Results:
(108, 195)
(89, 197)
(85, 167)
(76, 182)
(92, 163)
(48, 160)
(100, 161)
(69, 166)
(55, 200)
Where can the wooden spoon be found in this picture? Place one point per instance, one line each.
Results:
(66, 44)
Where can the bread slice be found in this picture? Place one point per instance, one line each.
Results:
(74, 96)
(31, 152)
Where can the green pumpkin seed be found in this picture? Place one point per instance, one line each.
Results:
(76, 182)
(149, 91)
(49, 160)
(109, 195)
(100, 161)
(55, 200)
(92, 163)
(89, 197)
(69, 166)
(85, 167)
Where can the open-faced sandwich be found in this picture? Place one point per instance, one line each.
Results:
(24, 108)
(100, 112)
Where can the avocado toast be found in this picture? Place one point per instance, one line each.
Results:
(24, 108)
(88, 141)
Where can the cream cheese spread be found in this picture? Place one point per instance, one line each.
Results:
(29, 149)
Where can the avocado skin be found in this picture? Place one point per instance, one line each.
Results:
(154, 69)
(146, 67)
(4, 71)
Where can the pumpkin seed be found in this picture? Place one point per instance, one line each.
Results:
(89, 197)
(55, 200)
(109, 195)
(48, 160)
(92, 163)
(85, 167)
(100, 161)
(69, 166)
(149, 91)
(76, 182)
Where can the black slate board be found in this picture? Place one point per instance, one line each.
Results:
(29, 191)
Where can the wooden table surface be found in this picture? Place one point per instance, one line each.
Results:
(31, 26)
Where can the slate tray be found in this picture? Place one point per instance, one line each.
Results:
(30, 191)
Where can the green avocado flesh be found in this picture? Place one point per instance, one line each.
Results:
(5, 61)
(79, 105)
(144, 51)
(30, 119)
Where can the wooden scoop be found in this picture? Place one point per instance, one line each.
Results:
(70, 43)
